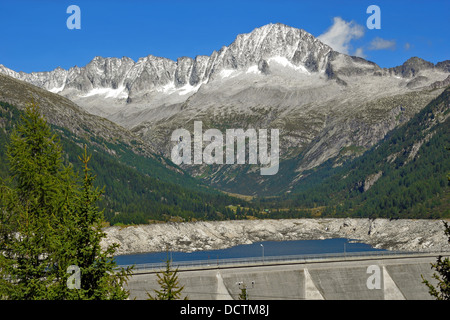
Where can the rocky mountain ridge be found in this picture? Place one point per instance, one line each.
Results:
(130, 82)
(62, 112)
(152, 72)
(325, 104)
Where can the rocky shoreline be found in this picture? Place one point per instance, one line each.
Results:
(402, 234)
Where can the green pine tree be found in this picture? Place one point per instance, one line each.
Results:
(243, 295)
(48, 222)
(99, 278)
(33, 206)
(169, 283)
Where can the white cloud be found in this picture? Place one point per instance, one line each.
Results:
(339, 35)
(407, 46)
(382, 44)
(360, 53)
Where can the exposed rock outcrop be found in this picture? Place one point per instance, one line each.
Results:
(409, 235)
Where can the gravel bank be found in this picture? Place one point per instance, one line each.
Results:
(403, 234)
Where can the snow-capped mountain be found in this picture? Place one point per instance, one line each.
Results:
(148, 81)
(326, 104)
(124, 79)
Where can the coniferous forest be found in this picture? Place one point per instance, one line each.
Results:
(407, 187)
(50, 224)
(138, 191)
(131, 196)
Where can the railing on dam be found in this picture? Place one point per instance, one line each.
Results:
(268, 260)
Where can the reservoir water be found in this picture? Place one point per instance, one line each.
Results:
(254, 250)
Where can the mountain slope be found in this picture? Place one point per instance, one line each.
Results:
(99, 132)
(326, 105)
(139, 185)
(403, 176)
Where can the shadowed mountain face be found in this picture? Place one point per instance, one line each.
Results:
(326, 105)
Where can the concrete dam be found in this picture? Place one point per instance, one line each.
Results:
(392, 277)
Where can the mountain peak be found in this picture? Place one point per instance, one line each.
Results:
(274, 48)
(412, 66)
(275, 40)
(277, 26)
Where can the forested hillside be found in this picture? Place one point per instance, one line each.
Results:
(404, 176)
(137, 189)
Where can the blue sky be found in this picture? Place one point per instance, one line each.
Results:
(34, 35)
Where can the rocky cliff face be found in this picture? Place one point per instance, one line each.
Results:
(129, 78)
(323, 102)
(408, 235)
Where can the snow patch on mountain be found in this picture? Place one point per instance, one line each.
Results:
(119, 93)
(284, 62)
(57, 89)
(228, 73)
(253, 69)
(188, 89)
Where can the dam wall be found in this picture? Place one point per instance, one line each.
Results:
(397, 277)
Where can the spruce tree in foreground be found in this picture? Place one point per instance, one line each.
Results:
(49, 221)
(33, 206)
(169, 283)
(99, 279)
